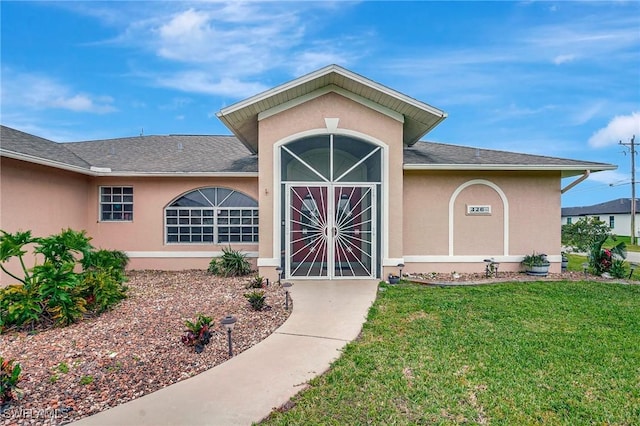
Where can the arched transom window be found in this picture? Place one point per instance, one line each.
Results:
(212, 215)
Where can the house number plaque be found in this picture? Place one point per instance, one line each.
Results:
(478, 210)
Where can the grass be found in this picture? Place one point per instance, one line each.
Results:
(611, 242)
(563, 353)
(576, 261)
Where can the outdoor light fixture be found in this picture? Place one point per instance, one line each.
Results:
(400, 266)
(279, 271)
(585, 266)
(286, 287)
(228, 322)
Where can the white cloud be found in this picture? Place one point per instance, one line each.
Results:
(201, 82)
(620, 128)
(610, 177)
(45, 92)
(561, 59)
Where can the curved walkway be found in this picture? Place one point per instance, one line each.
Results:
(326, 316)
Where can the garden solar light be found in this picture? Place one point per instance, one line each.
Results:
(228, 322)
(279, 271)
(400, 266)
(286, 287)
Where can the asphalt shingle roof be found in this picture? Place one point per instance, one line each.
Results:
(168, 154)
(226, 154)
(617, 206)
(438, 153)
(13, 140)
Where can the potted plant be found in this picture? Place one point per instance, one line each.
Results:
(536, 264)
(394, 279)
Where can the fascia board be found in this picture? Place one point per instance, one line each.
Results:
(274, 91)
(329, 89)
(523, 167)
(181, 174)
(44, 162)
(320, 73)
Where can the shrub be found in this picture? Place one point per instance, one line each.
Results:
(256, 299)
(581, 235)
(601, 260)
(618, 269)
(232, 263)
(256, 282)
(214, 267)
(54, 292)
(198, 333)
(9, 378)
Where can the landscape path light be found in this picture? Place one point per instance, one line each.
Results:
(286, 287)
(400, 266)
(228, 322)
(279, 271)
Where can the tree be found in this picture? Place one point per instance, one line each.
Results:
(583, 234)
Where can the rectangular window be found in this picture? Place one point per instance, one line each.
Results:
(612, 222)
(189, 225)
(116, 203)
(569, 221)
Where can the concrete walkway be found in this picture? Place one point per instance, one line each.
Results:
(326, 316)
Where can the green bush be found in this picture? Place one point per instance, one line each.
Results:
(9, 378)
(601, 260)
(232, 263)
(54, 292)
(198, 333)
(256, 299)
(581, 235)
(256, 281)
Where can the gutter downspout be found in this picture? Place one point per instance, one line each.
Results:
(577, 181)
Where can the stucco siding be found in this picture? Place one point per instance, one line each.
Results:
(309, 118)
(42, 199)
(439, 233)
(145, 234)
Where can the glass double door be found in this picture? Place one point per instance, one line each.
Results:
(330, 230)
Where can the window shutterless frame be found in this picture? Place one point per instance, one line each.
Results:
(116, 203)
(211, 216)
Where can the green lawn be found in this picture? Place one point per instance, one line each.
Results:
(509, 354)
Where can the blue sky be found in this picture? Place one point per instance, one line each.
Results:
(556, 78)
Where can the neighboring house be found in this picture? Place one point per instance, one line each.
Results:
(326, 176)
(615, 213)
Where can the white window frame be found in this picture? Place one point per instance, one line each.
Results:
(219, 214)
(115, 200)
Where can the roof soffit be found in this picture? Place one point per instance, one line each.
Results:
(242, 117)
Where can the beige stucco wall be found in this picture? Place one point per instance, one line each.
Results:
(46, 200)
(146, 232)
(309, 116)
(532, 201)
(42, 199)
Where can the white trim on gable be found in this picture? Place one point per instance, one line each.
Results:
(331, 88)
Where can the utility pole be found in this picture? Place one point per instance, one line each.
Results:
(632, 152)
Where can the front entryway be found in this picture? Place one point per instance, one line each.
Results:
(331, 231)
(331, 189)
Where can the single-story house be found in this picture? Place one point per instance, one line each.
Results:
(615, 213)
(325, 176)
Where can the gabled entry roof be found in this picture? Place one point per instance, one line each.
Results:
(242, 117)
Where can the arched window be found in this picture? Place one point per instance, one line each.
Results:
(212, 215)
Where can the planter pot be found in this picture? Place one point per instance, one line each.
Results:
(542, 270)
(565, 263)
(394, 280)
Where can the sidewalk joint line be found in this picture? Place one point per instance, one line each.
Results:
(311, 335)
